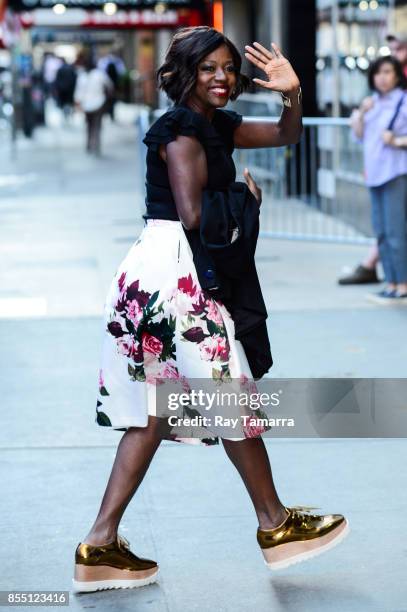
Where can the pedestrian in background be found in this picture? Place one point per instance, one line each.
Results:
(93, 88)
(50, 65)
(398, 48)
(378, 123)
(366, 271)
(65, 82)
(114, 67)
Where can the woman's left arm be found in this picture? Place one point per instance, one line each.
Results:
(281, 78)
(397, 140)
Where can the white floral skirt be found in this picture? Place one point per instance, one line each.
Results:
(158, 323)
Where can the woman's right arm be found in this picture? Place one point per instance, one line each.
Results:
(188, 175)
(358, 115)
(356, 122)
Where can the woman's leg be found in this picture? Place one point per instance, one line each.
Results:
(379, 228)
(395, 221)
(88, 119)
(251, 460)
(98, 128)
(93, 132)
(372, 258)
(134, 454)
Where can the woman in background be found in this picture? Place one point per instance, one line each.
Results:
(93, 87)
(379, 123)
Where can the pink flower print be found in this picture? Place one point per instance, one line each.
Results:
(121, 282)
(101, 380)
(214, 347)
(121, 303)
(214, 313)
(252, 428)
(137, 353)
(121, 298)
(169, 371)
(151, 344)
(134, 312)
(245, 383)
(223, 349)
(115, 329)
(134, 293)
(199, 304)
(151, 379)
(125, 345)
(194, 334)
(207, 348)
(186, 284)
(185, 383)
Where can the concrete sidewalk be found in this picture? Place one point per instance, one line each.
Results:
(66, 222)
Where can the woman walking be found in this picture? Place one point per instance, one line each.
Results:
(92, 91)
(380, 124)
(186, 333)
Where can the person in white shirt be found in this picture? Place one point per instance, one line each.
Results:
(93, 88)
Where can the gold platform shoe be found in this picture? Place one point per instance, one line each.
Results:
(300, 536)
(111, 566)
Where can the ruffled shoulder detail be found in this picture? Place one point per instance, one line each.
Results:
(182, 120)
(230, 117)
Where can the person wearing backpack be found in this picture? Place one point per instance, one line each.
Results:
(114, 67)
(64, 84)
(379, 124)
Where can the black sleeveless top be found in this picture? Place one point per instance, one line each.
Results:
(216, 136)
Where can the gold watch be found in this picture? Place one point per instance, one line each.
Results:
(287, 100)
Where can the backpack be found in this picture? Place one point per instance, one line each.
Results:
(112, 73)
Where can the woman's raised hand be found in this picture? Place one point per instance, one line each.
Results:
(366, 104)
(277, 68)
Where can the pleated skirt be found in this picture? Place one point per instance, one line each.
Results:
(159, 324)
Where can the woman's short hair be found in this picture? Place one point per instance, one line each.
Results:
(189, 46)
(398, 69)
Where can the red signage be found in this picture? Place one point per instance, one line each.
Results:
(30, 5)
(3, 4)
(134, 19)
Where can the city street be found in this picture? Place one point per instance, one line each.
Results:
(66, 221)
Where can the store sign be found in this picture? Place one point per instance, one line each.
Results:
(131, 18)
(28, 5)
(82, 18)
(121, 19)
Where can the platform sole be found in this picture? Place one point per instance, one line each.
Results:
(280, 557)
(98, 578)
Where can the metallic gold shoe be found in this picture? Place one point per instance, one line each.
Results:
(301, 536)
(111, 566)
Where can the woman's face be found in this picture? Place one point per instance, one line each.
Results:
(386, 78)
(216, 78)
